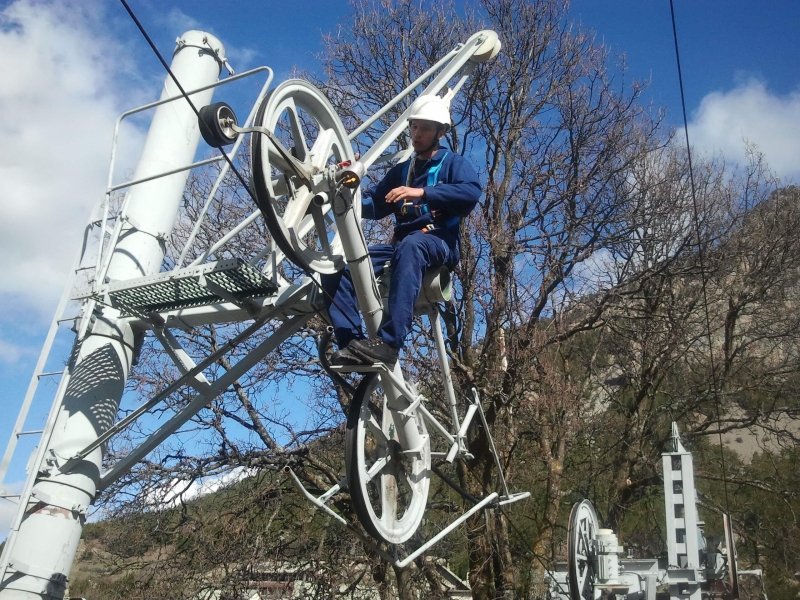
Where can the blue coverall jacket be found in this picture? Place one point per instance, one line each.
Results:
(452, 190)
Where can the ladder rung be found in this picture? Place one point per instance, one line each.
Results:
(50, 374)
(68, 319)
(31, 432)
(86, 268)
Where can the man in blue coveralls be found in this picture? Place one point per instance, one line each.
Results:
(429, 195)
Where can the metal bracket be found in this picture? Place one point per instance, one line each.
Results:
(38, 572)
(247, 304)
(52, 464)
(138, 227)
(418, 449)
(296, 166)
(413, 406)
(41, 496)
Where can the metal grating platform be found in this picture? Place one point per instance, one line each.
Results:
(229, 280)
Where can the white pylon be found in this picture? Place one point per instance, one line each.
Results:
(43, 548)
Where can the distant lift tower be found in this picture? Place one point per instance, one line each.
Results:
(683, 535)
(52, 508)
(692, 570)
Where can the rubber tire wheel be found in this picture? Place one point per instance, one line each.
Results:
(214, 134)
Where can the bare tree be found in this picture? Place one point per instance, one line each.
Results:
(706, 336)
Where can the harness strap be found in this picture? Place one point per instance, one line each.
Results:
(432, 180)
(433, 172)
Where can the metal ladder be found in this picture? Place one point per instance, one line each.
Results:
(81, 324)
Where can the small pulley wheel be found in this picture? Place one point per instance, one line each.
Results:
(489, 48)
(215, 124)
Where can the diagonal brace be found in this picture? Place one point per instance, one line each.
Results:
(289, 328)
(173, 387)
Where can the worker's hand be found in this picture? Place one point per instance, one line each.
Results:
(404, 193)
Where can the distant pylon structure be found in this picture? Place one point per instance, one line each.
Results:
(694, 568)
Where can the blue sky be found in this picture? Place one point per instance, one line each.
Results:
(71, 67)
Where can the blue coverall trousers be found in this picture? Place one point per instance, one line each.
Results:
(410, 258)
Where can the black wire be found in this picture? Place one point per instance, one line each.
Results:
(714, 387)
(307, 271)
(183, 92)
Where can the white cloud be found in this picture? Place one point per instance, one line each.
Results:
(58, 103)
(241, 58)
(11, 353)
(750, 112)
(171, 495)
(178, 21)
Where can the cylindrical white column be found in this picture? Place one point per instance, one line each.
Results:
(45, 546)
(171, 143)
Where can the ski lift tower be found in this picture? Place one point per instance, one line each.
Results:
(685, 574)
(307, 192)
(692, 570)
(53, 505)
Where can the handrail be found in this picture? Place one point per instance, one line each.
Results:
(222, 174)
(101, 264)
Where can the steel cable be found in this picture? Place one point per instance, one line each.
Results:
(701, 259)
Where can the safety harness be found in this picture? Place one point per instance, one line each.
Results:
(422, 208)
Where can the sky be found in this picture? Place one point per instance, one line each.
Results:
(72, 66)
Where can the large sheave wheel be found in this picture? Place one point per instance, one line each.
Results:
(582, 551)
(388, 484)
(295, 196)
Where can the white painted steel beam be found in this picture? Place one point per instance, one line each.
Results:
(202, 399)
(680, 503)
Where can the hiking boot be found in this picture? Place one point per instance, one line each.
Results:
(344, 357)
(374, 350)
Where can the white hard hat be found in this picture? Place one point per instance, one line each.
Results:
(431, 108)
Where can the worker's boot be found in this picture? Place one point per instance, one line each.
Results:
(344, 357)
(374, 350)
